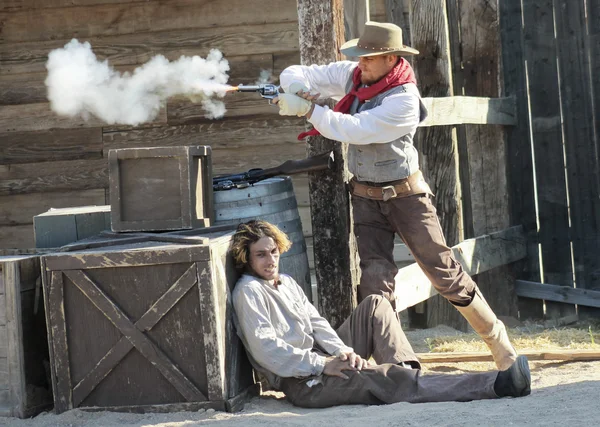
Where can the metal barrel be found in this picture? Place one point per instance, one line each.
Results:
(271, 200)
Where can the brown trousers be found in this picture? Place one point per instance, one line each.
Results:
(373, 330)
(415, 220)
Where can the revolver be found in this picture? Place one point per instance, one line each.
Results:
(267, 91)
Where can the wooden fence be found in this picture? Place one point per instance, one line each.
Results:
(551, 66)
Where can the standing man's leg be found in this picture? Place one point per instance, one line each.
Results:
(375, 241)
(373, 330)
(415, 220)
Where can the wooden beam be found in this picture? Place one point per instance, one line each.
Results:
(475, 255)
(437, 146)
(137, 17)
(35, 117)
(564, 355)
(321, 34)
(459, 110)
(562, 293)
(140, 47)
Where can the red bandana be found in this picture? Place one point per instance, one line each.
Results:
(402, 73)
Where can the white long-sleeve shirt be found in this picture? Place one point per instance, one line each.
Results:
(397, 116)
(279, 327)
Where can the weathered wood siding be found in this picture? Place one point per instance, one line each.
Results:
(550, 64)
(50, 161)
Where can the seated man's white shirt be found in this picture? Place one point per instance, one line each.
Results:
(279, 327)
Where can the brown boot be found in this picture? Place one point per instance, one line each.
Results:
(481, 318)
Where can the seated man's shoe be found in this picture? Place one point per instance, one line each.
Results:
(515, 381)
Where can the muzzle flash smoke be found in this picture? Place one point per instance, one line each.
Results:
(80, 85)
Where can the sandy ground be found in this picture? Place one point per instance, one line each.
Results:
(564, 393)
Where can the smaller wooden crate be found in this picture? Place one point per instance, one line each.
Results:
(59, 227)
(24, 387)
(165, 188)
(145, 327)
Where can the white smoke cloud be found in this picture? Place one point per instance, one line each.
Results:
(80, 85)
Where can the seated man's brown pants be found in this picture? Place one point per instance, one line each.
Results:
(374, 331)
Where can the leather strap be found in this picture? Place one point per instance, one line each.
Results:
(414, 184)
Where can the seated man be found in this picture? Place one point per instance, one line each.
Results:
(300, 353)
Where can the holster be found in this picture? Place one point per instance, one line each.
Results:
(414, 184)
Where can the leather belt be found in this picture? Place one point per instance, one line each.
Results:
(414, 184)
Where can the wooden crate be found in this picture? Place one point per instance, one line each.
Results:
(24, 384)
(145, 326)
(164, 188)
(58, 227)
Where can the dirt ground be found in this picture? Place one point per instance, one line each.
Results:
(563, 393)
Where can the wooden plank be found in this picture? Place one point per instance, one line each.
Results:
(482, 148)
(212, 329)
(148, 320)
(3, 342)
(437, 146)
(21, 208)
(581, 143)
(457, 110)
(3, 308)
(563, 355)
(35, 117)
(140, 47)
(321, 33)
(127, 18)
(544, 94)
(53, 176)
(57, 333)
(562, 293)
(14, 328)
(14, 5)
(141, 342)
(3, 372)
(116, 256)
(518, 142)
(228, 133)
(183, 111)
(230, 160)
(50, 145)
(475, 255)
(17, 236)
(29, 87)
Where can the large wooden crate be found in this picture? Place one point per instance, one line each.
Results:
(164, 188)
(145, 326)
(24, 386)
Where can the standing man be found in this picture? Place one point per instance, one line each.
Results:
(300, 354)
(377, 115)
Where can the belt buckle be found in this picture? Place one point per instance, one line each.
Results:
(388, 192)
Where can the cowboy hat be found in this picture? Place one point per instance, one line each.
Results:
(378, 39)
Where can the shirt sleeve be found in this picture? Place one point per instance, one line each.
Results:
(398, 115)
(260, 338)
(328, 80)
(323, 333)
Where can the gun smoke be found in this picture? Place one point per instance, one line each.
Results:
(81, 85)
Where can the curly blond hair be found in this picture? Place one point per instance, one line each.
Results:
(251, 232)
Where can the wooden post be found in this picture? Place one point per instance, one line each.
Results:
(438, 145)
(356, 13)
(321, 28)
(476, 65)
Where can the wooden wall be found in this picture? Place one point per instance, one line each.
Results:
(51, 161)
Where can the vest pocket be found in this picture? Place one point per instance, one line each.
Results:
(386, 162)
